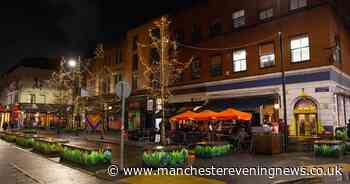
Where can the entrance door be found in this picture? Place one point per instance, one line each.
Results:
(306, 124)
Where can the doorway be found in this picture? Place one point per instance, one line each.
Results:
(305, 112)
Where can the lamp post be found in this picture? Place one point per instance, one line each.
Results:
(75, 66)
(284, 99)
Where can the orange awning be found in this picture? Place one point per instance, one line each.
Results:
(188, 115)
(231, 113)
(206, 115)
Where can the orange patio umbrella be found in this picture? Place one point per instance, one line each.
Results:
(188, 115)
(205, 116)
(231, 113)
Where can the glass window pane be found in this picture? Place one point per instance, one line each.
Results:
(239, 54)
(238, 14)
(295, 43)
(304, 42)
(305, 54)
(296, 55)
(302, 3)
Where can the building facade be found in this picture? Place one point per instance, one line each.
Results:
(26, 96)
(237, 55)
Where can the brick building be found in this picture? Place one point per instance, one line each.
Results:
(238, 62)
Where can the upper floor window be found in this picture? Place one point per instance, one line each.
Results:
(337, 50)
(239, 60)
(300, 49)
(266, 14)
(195, 68)
(296, 4)
(238, 18)
(135, 62)
(196, 33)
(267, 55)
(32, 98)
(215, 28)
(134, 42)
(216, 66)
(156, 33)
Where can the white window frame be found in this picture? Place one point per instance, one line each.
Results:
(238, 18)
(300, 45)
(297, 4)
(239, 63)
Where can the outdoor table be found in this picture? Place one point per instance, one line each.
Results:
(267, 143)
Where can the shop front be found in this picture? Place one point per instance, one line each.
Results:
(306, 117)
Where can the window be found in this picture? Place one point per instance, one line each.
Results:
(156, 33)
(105, 86)
(119, 59)
(180, 36)
(239, 60)
(32, 98)
(134, 42)
(117, 78)
(196, 33)
(195, 67)
(296, 4)
(267, 55)
(238, 18)
(216, 66)
(154, 56)
(135, 80)
(266, 14)
(337, 51)
(135, 62)
(43, 97)
(215, 28)
(300, 49)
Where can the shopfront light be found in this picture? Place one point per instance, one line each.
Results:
(276, 106)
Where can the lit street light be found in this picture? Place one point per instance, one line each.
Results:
(72, 63)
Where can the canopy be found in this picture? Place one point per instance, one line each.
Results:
(205, 115)
(231, 113)
(184, 116)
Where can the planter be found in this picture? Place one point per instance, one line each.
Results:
(214, 149)
(85, 156)
(50, 147)
(25, 141)
(328, 148)
(9, 136)
(165, 157)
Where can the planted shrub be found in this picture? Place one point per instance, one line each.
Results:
(9, 138)
(47, 148)
(329, 150)
(86, 158)
(341, 134)
(208, 151)
(25, 142)
(156, 159)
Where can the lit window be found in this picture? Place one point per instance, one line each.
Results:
(216, 66)
(240, 60)
(300, 49)
(117, 78)
(266, 14)
(267, 55)
(238, 18)
(296, 4)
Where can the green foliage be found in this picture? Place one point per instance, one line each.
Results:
(9, 138)
(341, 134)
(85, 158)
(156, 159)
(208, 151)
(47, 148)
(25, 142)
(329, 150)
(29, 131)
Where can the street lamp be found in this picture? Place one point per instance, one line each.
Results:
(72, 63)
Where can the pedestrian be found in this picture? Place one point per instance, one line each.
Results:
(4, 126)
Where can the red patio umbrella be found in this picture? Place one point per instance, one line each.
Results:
(206, 116)
(230, 114)
(188, 115)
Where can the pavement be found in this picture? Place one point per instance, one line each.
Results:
(21, 166)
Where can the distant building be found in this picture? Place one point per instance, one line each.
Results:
(26, 93)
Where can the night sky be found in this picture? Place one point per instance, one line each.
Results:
(53, 28)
